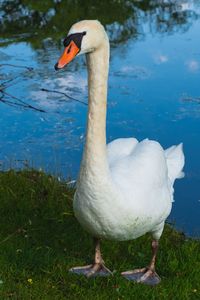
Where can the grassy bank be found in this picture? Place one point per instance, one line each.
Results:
(40, 240)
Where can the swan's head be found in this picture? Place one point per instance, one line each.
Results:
(83, 37)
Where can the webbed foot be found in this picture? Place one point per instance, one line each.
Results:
(144, 275)
(97, 269)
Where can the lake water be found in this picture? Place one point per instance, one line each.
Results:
(154, 87)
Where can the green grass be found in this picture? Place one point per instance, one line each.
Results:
(40, 240)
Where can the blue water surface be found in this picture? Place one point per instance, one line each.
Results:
(154, 92)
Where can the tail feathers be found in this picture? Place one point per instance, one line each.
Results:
(175, 162)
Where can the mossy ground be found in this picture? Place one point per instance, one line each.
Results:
(40, 240)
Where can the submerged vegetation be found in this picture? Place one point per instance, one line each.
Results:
(40, 240)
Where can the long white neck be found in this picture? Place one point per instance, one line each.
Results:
(95, 148)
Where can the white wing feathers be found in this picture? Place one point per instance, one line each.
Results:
(120, 148)
(175, 162)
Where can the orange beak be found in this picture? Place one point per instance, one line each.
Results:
(69, 53)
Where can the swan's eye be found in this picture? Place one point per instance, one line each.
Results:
(72, 44)
(75, 37)
(66, 42)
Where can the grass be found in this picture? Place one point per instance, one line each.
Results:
(40, 240)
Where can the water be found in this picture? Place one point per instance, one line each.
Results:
(154, 87)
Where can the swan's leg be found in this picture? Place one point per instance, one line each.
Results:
(146, 275)
(98, 268)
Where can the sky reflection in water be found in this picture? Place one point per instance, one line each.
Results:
(154, 92)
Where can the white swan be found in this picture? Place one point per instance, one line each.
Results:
(124, 189)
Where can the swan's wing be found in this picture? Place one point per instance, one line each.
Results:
(144, 161)
(120, 148)
(145, 165)
(175, 162)
(142, 178)
(148, 171)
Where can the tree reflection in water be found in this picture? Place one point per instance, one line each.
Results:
(34, 21)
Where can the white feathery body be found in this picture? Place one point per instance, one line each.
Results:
(124, 189)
